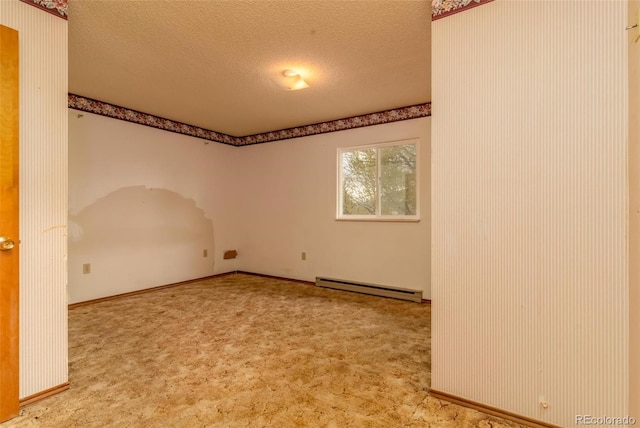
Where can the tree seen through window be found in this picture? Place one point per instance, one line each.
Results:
(379, 181)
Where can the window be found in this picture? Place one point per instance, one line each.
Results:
(378, 182)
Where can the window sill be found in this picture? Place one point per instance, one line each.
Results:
(381, 219)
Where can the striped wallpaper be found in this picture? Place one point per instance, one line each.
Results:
(43, 195)
(633, 16)
(529, 280)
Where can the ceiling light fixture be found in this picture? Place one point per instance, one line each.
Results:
(291, 80)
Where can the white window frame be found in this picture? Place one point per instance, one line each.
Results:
(378, 216)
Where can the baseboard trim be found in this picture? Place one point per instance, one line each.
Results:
(490, 410)
(301, 281)
(146, 290)
(44, 394)
(176, 284)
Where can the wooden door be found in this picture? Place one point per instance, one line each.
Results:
(9, 284)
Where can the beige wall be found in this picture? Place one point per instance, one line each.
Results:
(43, 195)
(634, 211)
(287, 206)
(270, 202)
(144, 204)
(529, 250)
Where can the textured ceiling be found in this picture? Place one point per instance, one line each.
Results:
(212, 63)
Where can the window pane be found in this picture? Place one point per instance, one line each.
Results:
(359, 182)
(398, 180)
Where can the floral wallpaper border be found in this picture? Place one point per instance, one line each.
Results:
(378, 118)
(89, 105)
(439, 8)
(442, 8)
(55, 7)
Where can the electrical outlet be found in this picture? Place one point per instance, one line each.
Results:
(86, 268)
(204, 253)
(303, 256)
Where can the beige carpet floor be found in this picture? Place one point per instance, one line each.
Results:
(248, 351)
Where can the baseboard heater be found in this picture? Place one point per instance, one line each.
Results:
(376, 290)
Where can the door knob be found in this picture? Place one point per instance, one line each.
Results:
(6, 244)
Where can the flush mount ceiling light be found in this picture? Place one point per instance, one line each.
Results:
(291, 81)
